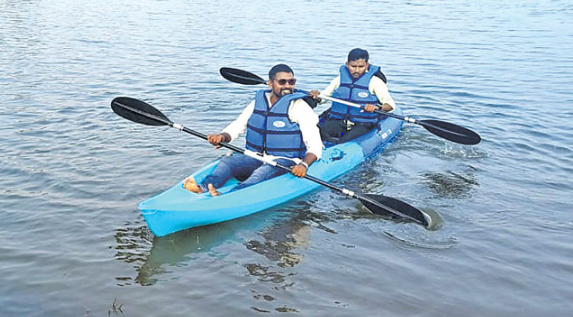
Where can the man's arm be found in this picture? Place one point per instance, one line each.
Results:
(301, 113)
(234, 129)
(380, 90)
(334, 84)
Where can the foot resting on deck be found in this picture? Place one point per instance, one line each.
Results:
(191, 185)
(212, 190)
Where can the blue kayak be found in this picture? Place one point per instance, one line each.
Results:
(178, 209)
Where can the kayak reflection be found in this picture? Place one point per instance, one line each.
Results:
(181, 246)
(278, 235)
(283, 242)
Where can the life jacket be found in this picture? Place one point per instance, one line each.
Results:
(269, 129)
(355, 91)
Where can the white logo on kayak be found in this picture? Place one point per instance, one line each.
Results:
(363, 94)
(279, 124)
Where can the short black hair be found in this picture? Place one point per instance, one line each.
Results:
(357, 54)
(279, 68)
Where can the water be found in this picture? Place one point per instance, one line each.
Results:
(72, 172)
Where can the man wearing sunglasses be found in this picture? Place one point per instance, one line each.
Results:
(279, 124)
(361, 83)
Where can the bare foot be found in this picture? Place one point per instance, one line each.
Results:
(212, 190)
(191, 185)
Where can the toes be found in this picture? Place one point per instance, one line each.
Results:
(212, 190)
(191, 185)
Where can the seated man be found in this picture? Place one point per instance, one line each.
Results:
(360, 83)
(279, 124)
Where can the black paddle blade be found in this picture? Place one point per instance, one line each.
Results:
(138, 111)
(450, 131)
(241, 76)
(391, 208)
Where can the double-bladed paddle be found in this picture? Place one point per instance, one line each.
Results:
(141, 112)
(446, 130)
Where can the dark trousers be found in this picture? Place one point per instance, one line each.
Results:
(335, 131)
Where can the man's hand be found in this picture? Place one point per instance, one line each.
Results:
(217, 138)
(314, 94)
(371, 108)
(299, 170)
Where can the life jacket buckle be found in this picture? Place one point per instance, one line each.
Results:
(349, 124)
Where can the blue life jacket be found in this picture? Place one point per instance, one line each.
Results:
(355, 91)
(269, 129)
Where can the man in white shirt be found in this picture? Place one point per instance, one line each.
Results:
(279, 124)
(361, 83)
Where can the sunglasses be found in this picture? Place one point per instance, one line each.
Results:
(284, 81)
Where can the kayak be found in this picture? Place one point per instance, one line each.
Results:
(178, 209)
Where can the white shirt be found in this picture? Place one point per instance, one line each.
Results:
(376, 87)
(299, 112)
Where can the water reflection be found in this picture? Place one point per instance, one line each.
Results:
(280, 246)
(152, 256)
(283, 244)
(450, 184)
(174, 249)
(279, 237)
(171, 250)
(282, 241)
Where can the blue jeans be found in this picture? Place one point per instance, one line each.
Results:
(244, 167)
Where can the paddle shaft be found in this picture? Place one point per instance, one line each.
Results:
(351, 104)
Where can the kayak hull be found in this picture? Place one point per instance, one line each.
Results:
(178, 209)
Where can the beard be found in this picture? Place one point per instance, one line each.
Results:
(283, 92)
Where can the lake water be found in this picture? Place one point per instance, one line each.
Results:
(72, 242)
